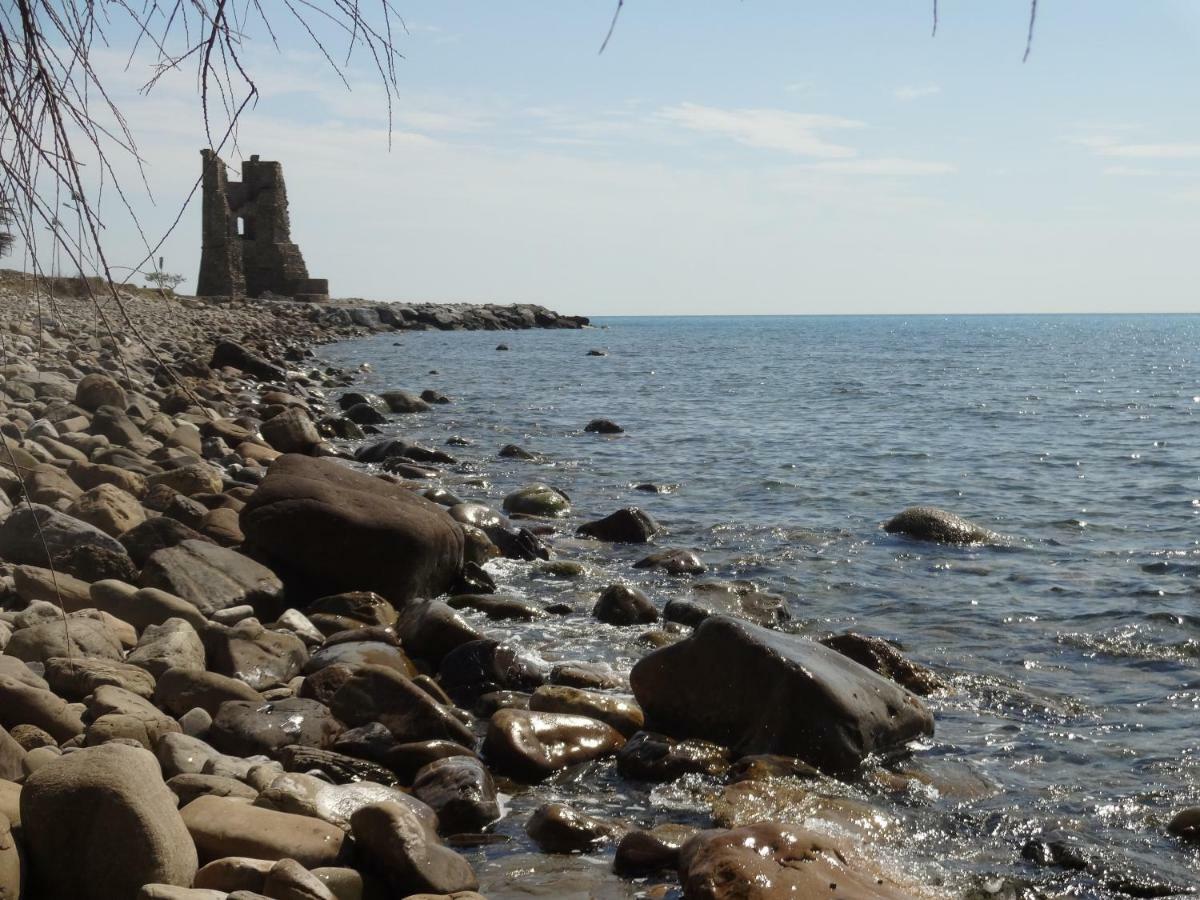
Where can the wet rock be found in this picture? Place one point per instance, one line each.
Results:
(336, 767)
(1055, 848)
(513, 451)
(597, 353)
(641, 853)
(180, 690)
(307, 795)
(768, 860)
(626, 526)
(761, 766)
(1186, 824)
(356, 654)
(339, 529)
(655, 757)
(224, 826)
(407, 759)
(355, 609)
(250, 728)
(537, 500)
(603, 426)
(498, 606)
(738, 684)
(211, 578)
(363, 414)
(557, 828)
(408, 853)
(597, 676)
(100, 822)
(928, 523)
(885, 659)
(531, 746)
(673, 562)
(256, 655)
(622, 713)
(461, 792)
(379, 694)
(621, 604)
(740, 599)
(483, 666)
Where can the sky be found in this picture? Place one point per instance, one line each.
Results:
(762, 156)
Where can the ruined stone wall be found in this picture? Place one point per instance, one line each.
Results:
(247, 247)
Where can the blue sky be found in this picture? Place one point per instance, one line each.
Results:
(731, 157)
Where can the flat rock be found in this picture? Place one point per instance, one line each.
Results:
(224, 826)
(621, 712)
(254, 727)
(211, 578)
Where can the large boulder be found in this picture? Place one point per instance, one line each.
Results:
(761, 691)
(335, 529)
(928, 523)
(99, 823)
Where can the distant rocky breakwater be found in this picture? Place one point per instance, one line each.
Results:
(237, 666)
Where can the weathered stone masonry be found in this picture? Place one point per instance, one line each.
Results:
(247, 248)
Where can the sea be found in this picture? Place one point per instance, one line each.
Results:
(1069, 733)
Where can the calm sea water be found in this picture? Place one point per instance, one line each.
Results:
(1072, 650)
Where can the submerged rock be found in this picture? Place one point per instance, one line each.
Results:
(740, 685)
(621, 604)
(928, 523)
(557, 828)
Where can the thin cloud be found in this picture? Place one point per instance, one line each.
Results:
(909, 92)
(1107, 145)
(884, 166)
(766, 129)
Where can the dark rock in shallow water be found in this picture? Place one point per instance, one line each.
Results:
(603, 426)
(502, 346)
(727, 598)
(673, 562)
(642, 853)
(885, 659)
(621, 604)
(928, 523)
(486, 665)
(431, 396)
(336, 529)
(538, 500)
(512, 451)
(531, 746)
(363, 414)
(655, 757)
(597, 353)
(739, 685)
(557, 828)
(430, 629)
(626, 526)
(404, 402)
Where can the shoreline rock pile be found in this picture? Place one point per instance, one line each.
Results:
(235, 663)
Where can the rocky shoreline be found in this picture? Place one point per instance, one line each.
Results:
(253, 650)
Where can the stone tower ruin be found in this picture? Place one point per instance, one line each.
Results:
(247, 248)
